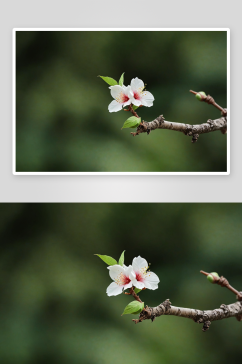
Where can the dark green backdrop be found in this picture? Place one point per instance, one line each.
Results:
(63, 123)
(53, 302)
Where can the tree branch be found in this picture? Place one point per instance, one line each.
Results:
(209, 100)
(132, 292)
(187, 129)
(223, 282)
(201, 317)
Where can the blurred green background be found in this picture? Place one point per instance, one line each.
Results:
(63, 123)
(54, 307)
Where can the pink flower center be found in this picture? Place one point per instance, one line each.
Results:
(125, 98)
(137, 95)
(122, 280)
(139, 277)
(126, 280)
(122, 98)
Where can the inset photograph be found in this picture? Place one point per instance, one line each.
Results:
(121, 101)
(94, 284)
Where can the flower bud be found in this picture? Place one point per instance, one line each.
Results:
(213, 277)
(200, 95)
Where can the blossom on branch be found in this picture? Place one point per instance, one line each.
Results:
(140, 96)
(122, 96)
(143, 278)
(136, 275)
(122, 279)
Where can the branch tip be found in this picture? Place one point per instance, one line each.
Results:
(205, 273)
(193, 92)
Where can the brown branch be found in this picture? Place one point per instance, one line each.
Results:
(132, 292)
(201, 317)
(210, 100)
(187, 129)
(198, 316)
(132, 111)
(191, 130)
(223, 282)
(135, 295)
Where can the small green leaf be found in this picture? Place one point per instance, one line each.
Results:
(121, 259)
(108, 260)
(133, 307)
(137, 290)
(137, 312)
(121, 80)
(132, 122)
(135, 107)
(109, 80)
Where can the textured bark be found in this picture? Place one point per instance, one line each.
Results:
(201, 317)
(187, 129)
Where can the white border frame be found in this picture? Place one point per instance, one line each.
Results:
(117, 29)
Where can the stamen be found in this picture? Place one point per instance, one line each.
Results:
(122, 280)
(121, 98)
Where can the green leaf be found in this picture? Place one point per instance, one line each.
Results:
(133, 307)
(107, 259)
(137, 312)
(121, 259)
(109, 80)
(121, 80)
(132, 122)
(135, 107)
(137, 290)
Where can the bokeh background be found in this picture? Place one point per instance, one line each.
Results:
(63, 123)
(53, 302)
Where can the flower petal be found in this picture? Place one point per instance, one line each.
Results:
(127, 103)
(129, 285)
(136, 102)
(139, 263)
(132, 275)
(116, 90)
(139, 285)
(137, 84)
(151, 280)
(115, 271)
(129, 92)
(129, 272)
(113, 289)
(114, 106)
(147, 98)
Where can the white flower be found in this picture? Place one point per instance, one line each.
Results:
(140, 97)
(143, 279)
(122, 279)
(122, 96)
(134, 275)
